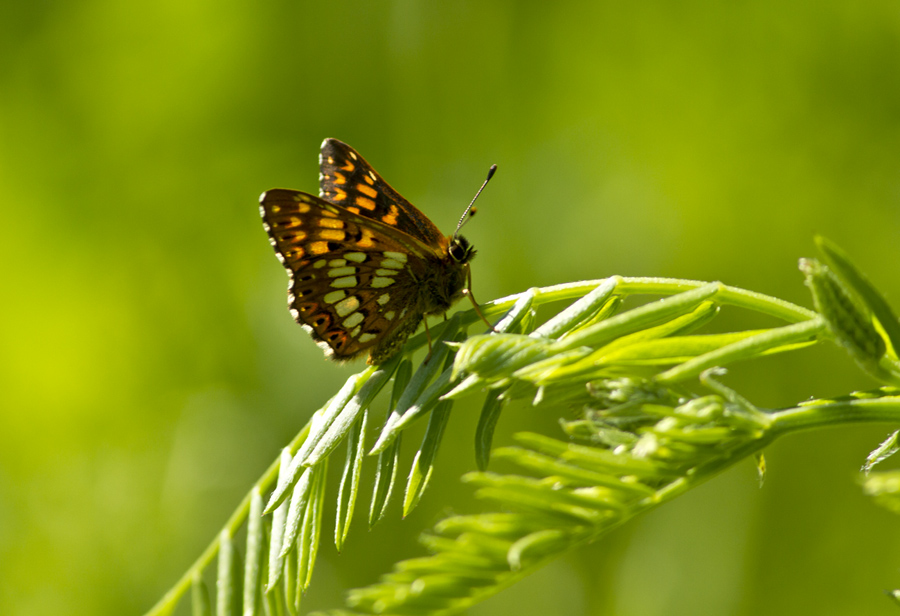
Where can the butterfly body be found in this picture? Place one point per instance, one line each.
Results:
(365, 266)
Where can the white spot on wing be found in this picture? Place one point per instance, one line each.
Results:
(391, 263)
(334, 296)
(353, 320)
(346, 306)
(341, 271)
(396, 256)
(345, 282)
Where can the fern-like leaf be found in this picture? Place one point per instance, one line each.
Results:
(656, 422)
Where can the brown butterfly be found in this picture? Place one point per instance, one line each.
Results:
(365, 266)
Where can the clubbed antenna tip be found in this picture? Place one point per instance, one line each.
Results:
(469, 210)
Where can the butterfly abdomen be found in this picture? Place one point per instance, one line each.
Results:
(391, 345)
(436, 291)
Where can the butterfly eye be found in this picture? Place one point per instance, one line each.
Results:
(460, 250)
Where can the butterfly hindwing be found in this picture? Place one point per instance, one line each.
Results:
(365, 266)
(347, 180)
(352, 280)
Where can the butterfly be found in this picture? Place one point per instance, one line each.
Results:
(365, 266)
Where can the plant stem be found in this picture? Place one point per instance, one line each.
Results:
(806, 417)
(734, 296)
(821, 414)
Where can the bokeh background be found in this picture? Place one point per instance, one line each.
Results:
(149, 370)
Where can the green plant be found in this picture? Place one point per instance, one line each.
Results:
(655, 422)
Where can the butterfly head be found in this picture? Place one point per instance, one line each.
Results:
(461, 251)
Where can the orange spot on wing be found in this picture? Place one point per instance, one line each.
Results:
(302, 207)
(365, 203)
(331, 223)
(317, 248)
(339, 195)
(332, 234)
(339, 179)
(391, 218)
(369, 179)
(367, 190)
(355, 210)
(349, 166)
(367, 240)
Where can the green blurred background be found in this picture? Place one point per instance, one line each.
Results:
(149, 369)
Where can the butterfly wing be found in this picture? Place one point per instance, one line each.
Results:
(347, 180)
(353, 279)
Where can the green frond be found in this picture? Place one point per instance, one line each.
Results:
(653, 422)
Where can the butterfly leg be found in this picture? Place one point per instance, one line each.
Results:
(468, 291)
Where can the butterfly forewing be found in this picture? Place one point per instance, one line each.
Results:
(365, 265)
(352, 280)
(347, 180)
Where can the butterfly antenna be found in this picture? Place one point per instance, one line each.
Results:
(468, 211)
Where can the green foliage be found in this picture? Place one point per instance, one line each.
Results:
(654, 421)
(857, 315)
(151, 371)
